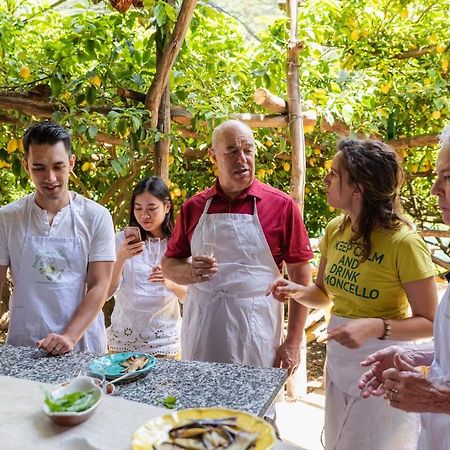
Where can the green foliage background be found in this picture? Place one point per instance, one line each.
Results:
(351, 70)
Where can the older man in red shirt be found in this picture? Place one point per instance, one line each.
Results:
(238, 232)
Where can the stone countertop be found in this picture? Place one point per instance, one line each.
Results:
(194, 384)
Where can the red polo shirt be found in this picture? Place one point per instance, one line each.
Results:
(278, 214)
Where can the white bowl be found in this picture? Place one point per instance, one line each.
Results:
(67, 419)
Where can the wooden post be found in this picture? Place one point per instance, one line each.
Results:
(161, 148)
(296, 132)
(296, 384)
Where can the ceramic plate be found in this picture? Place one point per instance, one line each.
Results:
(156, 430)
(112, 368)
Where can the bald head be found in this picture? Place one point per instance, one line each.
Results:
(445, 138)
(221, 130)
(233, 152)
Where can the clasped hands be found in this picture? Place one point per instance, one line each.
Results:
(394, 376)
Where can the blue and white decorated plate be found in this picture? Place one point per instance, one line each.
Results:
(112, 366)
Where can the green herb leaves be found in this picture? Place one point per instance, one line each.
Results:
(74, 402)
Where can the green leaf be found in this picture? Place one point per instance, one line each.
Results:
(15, 167)
(122, 126)
(91, 94)
(92, 131)
(116, 166)
(159, 12)
(170, 12)
(169, 402)
(123, 159)
(347, 113)
(112, 115)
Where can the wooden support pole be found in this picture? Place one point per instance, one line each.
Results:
(162, 147)
(296, 131)
(168, 58)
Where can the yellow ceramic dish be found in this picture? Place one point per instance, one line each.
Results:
(157, 430)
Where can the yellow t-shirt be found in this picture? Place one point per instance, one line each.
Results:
(373, 288)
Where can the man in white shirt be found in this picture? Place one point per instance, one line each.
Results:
(59, 248)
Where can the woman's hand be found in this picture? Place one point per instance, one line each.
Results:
(127, 250)
(284, 290)
(156, 276)
(356, 333)
(371, 382)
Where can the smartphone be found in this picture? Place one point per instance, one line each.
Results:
(133, 231)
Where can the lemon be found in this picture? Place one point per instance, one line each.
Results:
(404, 13)
(286, 167)
(385, 88)
(356, 34)
(308, 128)
(20, 145)
(12, 146)
(177, 192)
(260, 173)
(171, 160)
(444, 65)
(328, 163)
(25, 72)
(440, 48)
(436, 115)
(96, 81)
(86, 166)
(317, 151)
(269, 144)
(433, 38)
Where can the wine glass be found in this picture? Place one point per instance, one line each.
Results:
(209, 239)
(96, 374)
(154, 251)
(208, 249)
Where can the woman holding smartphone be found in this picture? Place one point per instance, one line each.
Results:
(146, 314)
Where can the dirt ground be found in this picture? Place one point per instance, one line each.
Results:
(315, 360)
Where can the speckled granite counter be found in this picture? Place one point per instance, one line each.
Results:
(194, 384)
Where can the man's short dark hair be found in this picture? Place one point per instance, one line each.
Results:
(46, 133)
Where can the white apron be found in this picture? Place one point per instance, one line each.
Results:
(49, 288)
(146, 315)
(435, 432)
(229, 318)
(352, 422)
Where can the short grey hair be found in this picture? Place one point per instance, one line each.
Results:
(218, 131)
(445, 137)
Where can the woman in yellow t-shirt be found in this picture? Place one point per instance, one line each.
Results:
(378, 274)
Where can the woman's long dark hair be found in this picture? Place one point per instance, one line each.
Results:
(376, 169)
(158, 188)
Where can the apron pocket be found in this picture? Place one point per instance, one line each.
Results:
(264, 318)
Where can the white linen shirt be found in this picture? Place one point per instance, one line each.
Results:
(94, 228)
